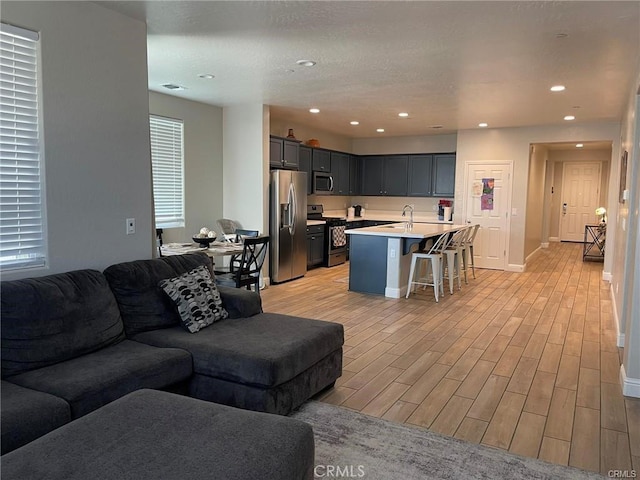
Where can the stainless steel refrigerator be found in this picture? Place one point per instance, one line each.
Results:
(288, 225)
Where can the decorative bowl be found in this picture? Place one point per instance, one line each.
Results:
(204, 242)
(313, 142)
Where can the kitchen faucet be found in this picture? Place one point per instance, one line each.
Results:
(408, 225)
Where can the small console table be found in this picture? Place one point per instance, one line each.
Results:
(594, 240)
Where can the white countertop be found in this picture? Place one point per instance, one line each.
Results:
(315, 222)
(419, 230)
(389, 216)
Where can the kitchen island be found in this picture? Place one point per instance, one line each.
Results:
(380, 257)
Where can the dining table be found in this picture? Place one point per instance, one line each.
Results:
(215, 249)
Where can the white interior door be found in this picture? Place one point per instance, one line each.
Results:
(580, 196)
(491, 243)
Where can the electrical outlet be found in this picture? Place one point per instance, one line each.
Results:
(392, 253)
(131, 226)
(366, 205)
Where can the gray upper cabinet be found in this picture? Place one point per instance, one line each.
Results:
(340, 171)
(395, 175)
(420, 179)
(283, 153)
(354, 175)
(321, 160)
(304, 157)
(372, 173)
(384, 175)
(444, 175)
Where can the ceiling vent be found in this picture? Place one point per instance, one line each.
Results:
(172, 86)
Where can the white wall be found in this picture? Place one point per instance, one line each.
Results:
(280, 127)
(513, 144)
(203, 162)
(535, 199)
(95, 132)
(246, 165)
(407, 144)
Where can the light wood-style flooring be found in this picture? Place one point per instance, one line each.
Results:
(525, 362)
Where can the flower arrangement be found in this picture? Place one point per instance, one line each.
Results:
(602, 213)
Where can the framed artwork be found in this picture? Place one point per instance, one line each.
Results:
(623, 176)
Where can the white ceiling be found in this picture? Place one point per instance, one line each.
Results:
(446, 63)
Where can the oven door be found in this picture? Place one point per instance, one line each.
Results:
(336, 245)
(322, 183)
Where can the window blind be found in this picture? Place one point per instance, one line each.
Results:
(22, 226)
(167, 163)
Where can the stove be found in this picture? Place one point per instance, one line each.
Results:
(335, 240)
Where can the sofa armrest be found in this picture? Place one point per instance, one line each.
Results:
(240, 303)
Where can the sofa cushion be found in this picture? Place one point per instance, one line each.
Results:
(264, 350)
(143, 305)
(93, 380)
(197, 298)
(28, 414)
(55, 318)
(159, 435)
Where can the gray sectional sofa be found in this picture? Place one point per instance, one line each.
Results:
(75, 342)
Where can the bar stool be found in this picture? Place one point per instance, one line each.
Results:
(434, 257)
(452, 255)
(468, 248)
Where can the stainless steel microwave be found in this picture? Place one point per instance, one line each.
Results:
(322, 183)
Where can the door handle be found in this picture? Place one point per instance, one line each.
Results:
(564, 208)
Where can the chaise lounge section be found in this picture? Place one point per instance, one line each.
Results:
(253, 360)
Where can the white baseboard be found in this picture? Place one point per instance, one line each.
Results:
(512, 267)
(395, 292)
(619, 334)
(630, 386)
(531, 255)
(554, 239)
(606, 276)
(544, 245)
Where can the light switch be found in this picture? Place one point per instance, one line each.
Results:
(131, 226)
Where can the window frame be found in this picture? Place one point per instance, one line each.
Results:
(176, 219)
(41, 259)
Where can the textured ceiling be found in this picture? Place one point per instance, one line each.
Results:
(448, 63)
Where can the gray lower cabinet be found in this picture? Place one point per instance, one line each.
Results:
(315, 245)
(444, 175)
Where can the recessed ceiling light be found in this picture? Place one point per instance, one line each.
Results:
(314, 110)
(562, 35)
(483, 125)
(173, 86)
(380, 130)
(208, 76)
(579, 145)
(355, 123)
(403, 114)
(435, 126)
(569, 117)
(557, 88)
(306, 63)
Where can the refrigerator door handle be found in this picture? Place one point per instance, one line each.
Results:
(331, 183)
(292, 209)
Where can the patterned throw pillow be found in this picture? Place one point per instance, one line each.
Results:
(197, 298)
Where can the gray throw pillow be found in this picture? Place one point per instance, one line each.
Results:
(197, 298)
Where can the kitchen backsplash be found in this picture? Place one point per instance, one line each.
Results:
(337, 202)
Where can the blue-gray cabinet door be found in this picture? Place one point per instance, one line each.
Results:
(444, 175)
(420, 181)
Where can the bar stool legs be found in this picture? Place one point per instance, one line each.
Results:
(436, 273)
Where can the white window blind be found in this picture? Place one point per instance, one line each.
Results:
(22, 226)
(167, 159)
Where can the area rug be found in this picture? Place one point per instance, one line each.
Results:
(353, 445)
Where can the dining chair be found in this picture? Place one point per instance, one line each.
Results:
(241, 234)
(432, 257)
(227, 228)
(248, 272)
